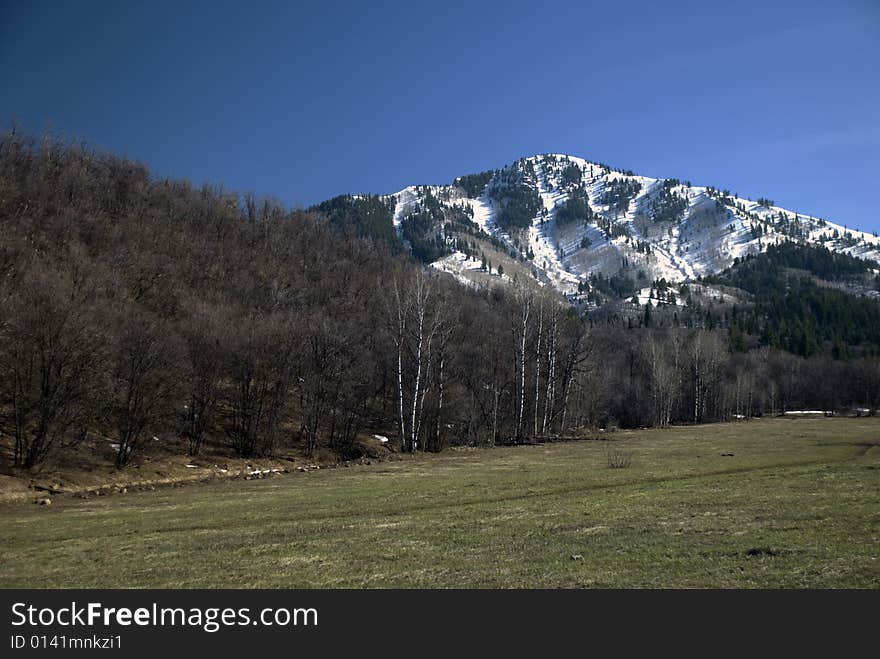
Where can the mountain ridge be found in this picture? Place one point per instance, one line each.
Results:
(567, 219)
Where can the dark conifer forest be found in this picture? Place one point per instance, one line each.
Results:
(138, 309)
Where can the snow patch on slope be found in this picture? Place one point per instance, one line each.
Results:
(404, 203)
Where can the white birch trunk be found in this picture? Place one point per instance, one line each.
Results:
(538, 366)
(420, 311)
(526, 310)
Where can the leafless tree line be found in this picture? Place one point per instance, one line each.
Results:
(134, 307)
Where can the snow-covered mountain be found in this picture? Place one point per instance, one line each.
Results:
(565, 218)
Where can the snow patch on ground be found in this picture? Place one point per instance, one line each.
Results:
(648, 294)
(456, 264)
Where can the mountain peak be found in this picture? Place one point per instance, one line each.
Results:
(565, 220)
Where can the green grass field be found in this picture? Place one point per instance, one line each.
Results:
(797, 506)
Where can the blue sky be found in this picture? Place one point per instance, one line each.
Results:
(776, 99)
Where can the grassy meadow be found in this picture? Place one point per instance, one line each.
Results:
(796, 505)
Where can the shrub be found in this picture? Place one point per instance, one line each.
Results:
(618, 458)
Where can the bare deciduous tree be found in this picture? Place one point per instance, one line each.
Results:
(51, 356)
(259, 350)
(141, 392)
(204, 352)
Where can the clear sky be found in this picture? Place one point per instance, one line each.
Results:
(304, 101)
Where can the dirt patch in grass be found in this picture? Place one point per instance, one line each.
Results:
(88, 470)
(13, 489)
